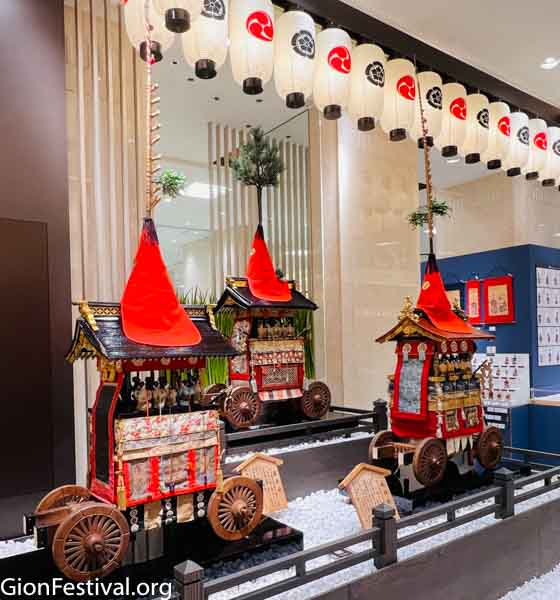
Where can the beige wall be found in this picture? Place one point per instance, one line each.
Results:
(368, 258)
(496, 212)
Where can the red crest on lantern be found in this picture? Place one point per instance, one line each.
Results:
(541, 141)
(260, 25)
(406, 86)
(458, 108)
(340, 60)
(504, 125)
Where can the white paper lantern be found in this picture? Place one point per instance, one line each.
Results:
(498, 134)
(205, 45)
(135, 25)
(550, 175)
(476, 139)
(518, 153)
(251, 32)
(538, 145)
(294, 57)
(179, 14)
(331, 83)
(367, 85)
(454, 119)
(429, 85)
(400, 98)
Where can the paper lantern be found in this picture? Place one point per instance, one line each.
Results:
(251, 32)
(135, 25)
(518, 153)
(476, 138)
(331, 84)
(537, 149)
(454, 119)
(550, 175)
(180, 14)
(367, 84)
(498, 134)
(205, 45)
(294, 57)
(400, 98)
(429, 85)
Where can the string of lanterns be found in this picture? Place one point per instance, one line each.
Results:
(340, 77)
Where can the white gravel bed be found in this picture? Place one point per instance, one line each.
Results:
(545, 587)
(13, 547)
(325, 516)
(301, 446)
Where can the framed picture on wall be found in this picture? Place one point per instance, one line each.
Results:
(498, 299)
(472, 301)
(455, 294)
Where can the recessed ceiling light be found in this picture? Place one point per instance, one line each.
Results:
(175, 62)
(550, 62)
(453, 161)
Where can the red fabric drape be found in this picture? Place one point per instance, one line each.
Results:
(150, 311)
(263, 281)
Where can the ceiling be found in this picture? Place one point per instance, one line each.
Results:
(508, 40)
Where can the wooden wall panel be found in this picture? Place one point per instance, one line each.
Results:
(105, 115)
(234, 215)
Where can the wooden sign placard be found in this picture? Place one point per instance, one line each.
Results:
(266, 469)
(367, 489)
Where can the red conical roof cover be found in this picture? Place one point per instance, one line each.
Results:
(434, 302)
(150, 311)
(263, 281)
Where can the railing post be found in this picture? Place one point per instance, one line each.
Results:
(380, 421)
(384, 519)
(188, 580)
(506, 507)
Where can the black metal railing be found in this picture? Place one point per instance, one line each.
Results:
(383, 536)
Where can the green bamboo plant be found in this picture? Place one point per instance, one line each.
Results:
(304, 328)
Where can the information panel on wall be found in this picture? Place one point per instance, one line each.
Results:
(548, 316)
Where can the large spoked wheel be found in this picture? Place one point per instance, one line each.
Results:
(63, 496)
(210, 393)
(91, 542)
(316, 400)
(242, 408)
(236, 511)
(489, 447)
(430, 461)
(383, 438)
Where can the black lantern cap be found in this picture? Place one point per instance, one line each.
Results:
(472, 159)
(494, 164)
(366, 124)
(397, 135)
(532, 176)
(253, 86)
(332, 112)
(177, 20)
(295, 100)
(449, 151)
(429, 141)
(514, 172)
(548, 182)
(156, 52)
(205, 69)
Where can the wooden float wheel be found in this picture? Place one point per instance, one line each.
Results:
(242, 408)
(237, 510)
(381, 438)
(210, 393)
(316, 400)
(63, 496)
(489, 446)
(430, 461)
(91, 542)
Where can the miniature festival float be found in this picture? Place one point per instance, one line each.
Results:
(270, 367)
(153, 463)
(436, 414)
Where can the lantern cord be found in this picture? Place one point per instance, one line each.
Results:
(152, 190)
(427, 169)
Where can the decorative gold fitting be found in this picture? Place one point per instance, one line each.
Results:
(87, 314)
(407, 311)
(211, 316)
